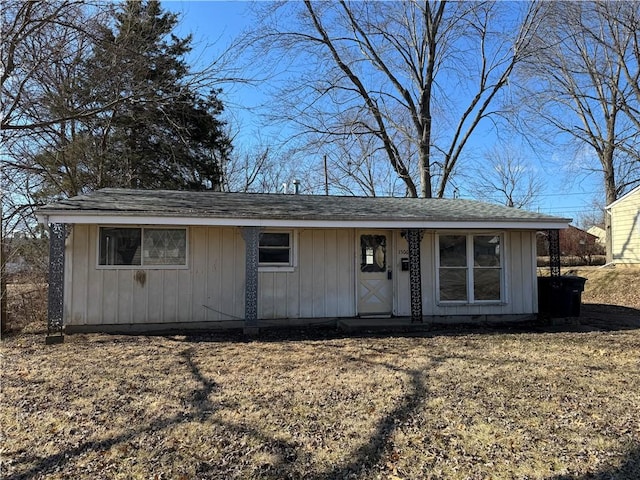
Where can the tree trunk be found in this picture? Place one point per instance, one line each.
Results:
(611, 196)
(3, 274)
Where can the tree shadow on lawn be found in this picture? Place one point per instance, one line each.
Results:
(372, 451)
(201, 408)
(629, 469)
(367, 455)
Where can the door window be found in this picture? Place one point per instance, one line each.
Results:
(373, 253)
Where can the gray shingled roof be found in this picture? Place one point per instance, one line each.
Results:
(160, 203)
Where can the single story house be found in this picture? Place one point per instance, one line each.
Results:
(573, 242)
(135, 260)
(625, 229)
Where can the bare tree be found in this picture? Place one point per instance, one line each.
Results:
(582, 85)
(623, 21)
(37, 34)
(258, 171)
(355, 166)
(506, 176)
(417, 77)
(263, 169)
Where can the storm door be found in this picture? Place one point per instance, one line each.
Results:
(375, 285)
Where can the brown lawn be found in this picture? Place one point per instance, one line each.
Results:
(560, 402)
(467, 405)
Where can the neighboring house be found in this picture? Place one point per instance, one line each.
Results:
(600, 233)
(157, 260)
(625, 229)
(573, 242)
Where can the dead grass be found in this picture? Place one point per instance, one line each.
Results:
(26, 306)
(610, 286)
(467, 405)
(451, 405)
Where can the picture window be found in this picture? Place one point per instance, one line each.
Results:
(126, 246)
(470, 268)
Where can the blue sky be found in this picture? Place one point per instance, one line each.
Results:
(214, 25)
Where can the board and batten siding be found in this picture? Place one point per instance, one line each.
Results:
(625, 229)
(322, 284)
(211, 288)
(520, 277)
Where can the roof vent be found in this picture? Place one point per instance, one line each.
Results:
(296, 187)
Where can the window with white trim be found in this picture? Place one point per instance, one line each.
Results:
(275, 249)
(470, 268)
(137, 246)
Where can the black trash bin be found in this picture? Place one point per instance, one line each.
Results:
(560, 296)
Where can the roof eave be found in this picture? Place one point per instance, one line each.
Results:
(134, 218)
(622, 198)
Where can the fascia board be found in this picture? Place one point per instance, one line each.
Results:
(295, 223)
(622, 198)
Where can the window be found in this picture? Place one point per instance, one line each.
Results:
(470, 268)
(274, 249)
(373, 249)
(453, 268)
(143, 246)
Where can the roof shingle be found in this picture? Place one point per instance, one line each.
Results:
(158, 203)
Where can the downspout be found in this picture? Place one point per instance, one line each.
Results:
(608, 236)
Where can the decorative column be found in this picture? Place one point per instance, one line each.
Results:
(554, 252)
(57, 236)
(414, 237)
(251, 237)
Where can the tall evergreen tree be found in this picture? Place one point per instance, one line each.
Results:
(161, 132)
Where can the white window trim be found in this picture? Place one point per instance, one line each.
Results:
(469, 268)
(142, 266)
(293, 253)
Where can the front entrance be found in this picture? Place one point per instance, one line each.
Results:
(375, 285)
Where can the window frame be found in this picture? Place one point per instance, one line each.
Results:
(470, 268)
(142, 265)
(293, 253)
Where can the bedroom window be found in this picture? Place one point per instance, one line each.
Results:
(275, 249)
(125, 246)
(470, 268)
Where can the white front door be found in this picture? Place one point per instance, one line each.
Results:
(375, 286)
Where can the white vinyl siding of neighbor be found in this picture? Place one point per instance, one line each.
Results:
(625, 229)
